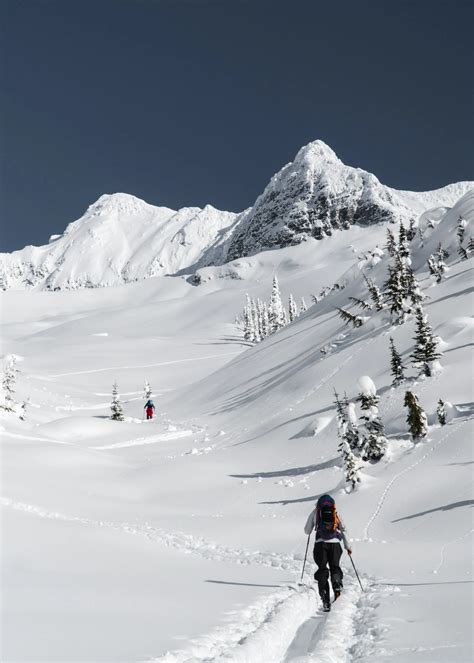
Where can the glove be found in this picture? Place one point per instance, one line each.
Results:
(349, 551)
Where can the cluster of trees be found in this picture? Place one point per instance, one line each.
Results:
(463, 251)
(116, 405)
(10, 375)
(360, 438)
(260, 319)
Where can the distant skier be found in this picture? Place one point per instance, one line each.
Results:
(149, 409)
(330, 531)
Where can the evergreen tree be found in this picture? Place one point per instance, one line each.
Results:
(416, 418)
(391, 244)
(293, 311)
(412, 289)
(351, 465)
(470, 245)
(265, 320)
(116, 405)
(396, 364)
(403, 244)
(441, 412)
(461, 229)
(355, 320)
(276, 312)
(375, 294)
(360, 302)
(425, 352)
(411, 231)
(255, 321)
(303, 306)
(9, 384)
(24, 407)
(462, 252)
(352, 428)
(260, 326)
(395, 292)
(147, 393)
(248, 321)
(432, 265)
(374, 442)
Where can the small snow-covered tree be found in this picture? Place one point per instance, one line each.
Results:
(391, 244)
(411, 286)
(426, 344)
(293, 311)
(265, 320)
(463, 254)
(470, 245)
(395, 292)
(303, 306)
(411, 230)
(461, 229)
(396, 365)
(9, 383)
(351, 464)
(349, 318)
(276, 311)
(255, 321)
(352, 428)
(147, 393)
(374, 442)
(441, 412)
(436, 263)
(116, 405)
(375, 294)
(403, 248)
(365, 306)
(416, 418)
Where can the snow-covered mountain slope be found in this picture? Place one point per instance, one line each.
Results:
(121, 239)
(181, 539)
(317, 193)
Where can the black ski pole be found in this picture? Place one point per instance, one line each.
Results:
(305, 555)
(356, 573)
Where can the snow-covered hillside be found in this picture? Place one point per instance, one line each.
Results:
(122, 239)
(181, 538)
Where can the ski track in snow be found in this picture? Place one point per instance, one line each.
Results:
(139, 441)
(21, 436)
(161, 363)
(388, 487)
(278, 627)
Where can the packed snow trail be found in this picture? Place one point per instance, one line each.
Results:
(139, 441)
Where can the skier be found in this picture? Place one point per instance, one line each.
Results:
(149, 408)
(330, 531)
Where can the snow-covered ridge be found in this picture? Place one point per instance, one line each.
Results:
(121, 239)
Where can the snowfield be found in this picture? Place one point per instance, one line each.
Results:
(181, 539)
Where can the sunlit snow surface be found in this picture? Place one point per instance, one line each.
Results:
(181, 539)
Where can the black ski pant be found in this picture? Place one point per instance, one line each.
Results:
(328, 554)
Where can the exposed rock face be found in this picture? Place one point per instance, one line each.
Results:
(317, 194)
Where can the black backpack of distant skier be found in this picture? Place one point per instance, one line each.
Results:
(327, 520)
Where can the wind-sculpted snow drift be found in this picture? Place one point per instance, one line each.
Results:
(121, 239)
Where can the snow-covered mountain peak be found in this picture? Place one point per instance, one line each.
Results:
(316, 154)
(118, 203)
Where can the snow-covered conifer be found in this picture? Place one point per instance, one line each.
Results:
(116, 405)
(396, 364)
(470, 245)
(147, 393)
(411, 230)
(365, 306)
(293, 311)
(276, 310)
(461, 229)
(255, 321)
(375, 294)
(395, 292)
(24, 407)
(9, 384)
(303, 306)
(351, 465)
(374, 442)
(441, 412)
(426, 344)
(265, 320)
(403, 247)
(411, 286)
(416, 418)
(352, 425)
(463, 254)
(391, 244)
(349, 318)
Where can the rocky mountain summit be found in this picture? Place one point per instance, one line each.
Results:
(121, 239)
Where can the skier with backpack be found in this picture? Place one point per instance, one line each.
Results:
(330, 531)
(149, 409)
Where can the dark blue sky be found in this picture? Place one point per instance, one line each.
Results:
(188, 102)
